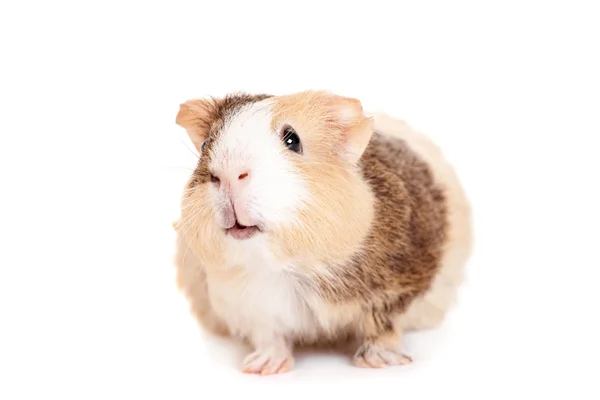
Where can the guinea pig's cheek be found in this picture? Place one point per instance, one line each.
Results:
(199, 228)
(277, 196)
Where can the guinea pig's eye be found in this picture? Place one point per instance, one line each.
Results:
(203, 145)
(291, 139)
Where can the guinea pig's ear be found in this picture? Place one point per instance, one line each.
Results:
(357, 128)
(194, 116)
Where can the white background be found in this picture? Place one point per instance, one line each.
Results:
(92, 165)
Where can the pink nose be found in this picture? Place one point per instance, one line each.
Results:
(231, 181)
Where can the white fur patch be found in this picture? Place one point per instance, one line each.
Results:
(263, 302)
(261, 299)
(275, 191)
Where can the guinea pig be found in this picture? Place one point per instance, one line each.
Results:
(307, 221)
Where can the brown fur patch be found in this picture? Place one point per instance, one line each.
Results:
(381, 226)
(402, 252)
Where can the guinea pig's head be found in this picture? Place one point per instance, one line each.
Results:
(276, 173)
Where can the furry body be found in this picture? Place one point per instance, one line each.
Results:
(372, 240)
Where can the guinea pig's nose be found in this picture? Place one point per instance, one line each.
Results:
(242, 179)
(234, 180)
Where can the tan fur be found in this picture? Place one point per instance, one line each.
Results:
(191, 279)
(327, 122)
(193, 115)
(203, 237)
(429, 310)
(318, 232)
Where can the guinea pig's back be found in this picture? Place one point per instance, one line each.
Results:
(430, 309)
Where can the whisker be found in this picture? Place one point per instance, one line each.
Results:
(197, 156)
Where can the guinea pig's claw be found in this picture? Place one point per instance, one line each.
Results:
(374, 356)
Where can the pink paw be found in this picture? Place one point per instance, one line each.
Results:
(268, 362)
(375, 356)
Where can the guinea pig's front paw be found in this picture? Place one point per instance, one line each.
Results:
(269, 361)
(373, 355)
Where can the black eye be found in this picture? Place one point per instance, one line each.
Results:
(291, 139)
(203, 145)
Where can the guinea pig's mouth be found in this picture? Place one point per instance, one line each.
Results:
(241, 232)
